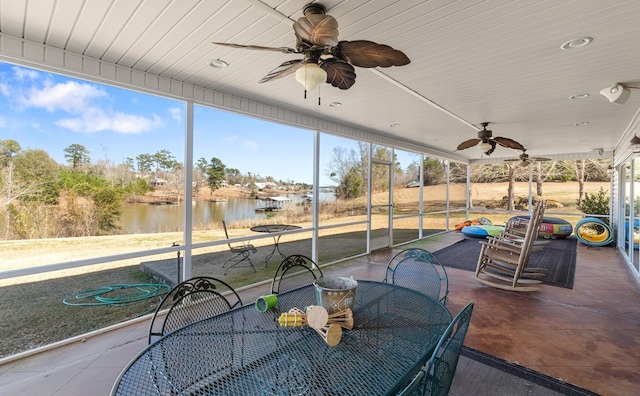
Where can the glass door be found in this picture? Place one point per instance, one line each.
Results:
(380, 236)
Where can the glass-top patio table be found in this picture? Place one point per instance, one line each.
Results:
(245, 352)
(271, 229)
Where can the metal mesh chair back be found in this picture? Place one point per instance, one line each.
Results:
(420, 270)
(294, 272)
(190, 301)
(444, 361)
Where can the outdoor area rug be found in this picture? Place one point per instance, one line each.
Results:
(481, 374)
(558, 256)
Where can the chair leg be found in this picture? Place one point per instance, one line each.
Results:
(237, 259)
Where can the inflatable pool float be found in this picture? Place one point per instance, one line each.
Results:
(592, 231)
(551, 227)
(478, 221)
(482, 231)
(636, 233)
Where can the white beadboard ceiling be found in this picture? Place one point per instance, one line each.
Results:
(472, 61)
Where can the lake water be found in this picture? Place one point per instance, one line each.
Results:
(140, 218)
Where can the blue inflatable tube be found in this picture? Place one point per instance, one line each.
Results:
(482, 231)
(636, 233)
(592, 231)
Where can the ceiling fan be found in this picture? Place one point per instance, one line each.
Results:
(325, 59)
(487, 143)
(526, 160)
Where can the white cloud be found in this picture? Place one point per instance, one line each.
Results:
(176, 113)
(75, 124)
(82, 101)
(25, 74)
(4, 90)
(230, 138)
(128, 123)
(95, 120)
(251, 146)
(70, 96)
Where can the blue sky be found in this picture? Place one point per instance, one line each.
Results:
(42, 110)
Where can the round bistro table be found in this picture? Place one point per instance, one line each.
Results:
(272, 229)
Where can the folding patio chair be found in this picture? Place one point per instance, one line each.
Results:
(240, 253)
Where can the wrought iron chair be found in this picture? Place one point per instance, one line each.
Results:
(294, 272)
(190, 301)
(241, 253)
(420, 270)
(442, 365)
(413, 388)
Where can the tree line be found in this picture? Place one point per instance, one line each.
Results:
(349, 169)
(40, 198)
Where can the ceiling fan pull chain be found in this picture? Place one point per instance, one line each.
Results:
(318, 95)
(305, 93)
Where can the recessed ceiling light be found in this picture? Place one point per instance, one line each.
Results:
(394, 125)
(217, 63)
(580, 123)
(335, 104)
(576, 43)
(579, 96)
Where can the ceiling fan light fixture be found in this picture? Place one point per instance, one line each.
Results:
(311, 75)
(485, 146)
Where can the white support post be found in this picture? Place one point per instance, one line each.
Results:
(188, 194)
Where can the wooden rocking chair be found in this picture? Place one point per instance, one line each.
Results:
(516, 230)
(503, 260)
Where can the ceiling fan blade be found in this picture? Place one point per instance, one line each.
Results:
(317, 29)
(467, 144)
(285, 50)
(284, 69)
(511, 160)
(508, 143)
(540, 159)
(364, 53)
(339, 74)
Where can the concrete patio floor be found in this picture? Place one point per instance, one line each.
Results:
(588, 336)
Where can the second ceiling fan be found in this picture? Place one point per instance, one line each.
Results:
(487, 142)
(525, 160)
